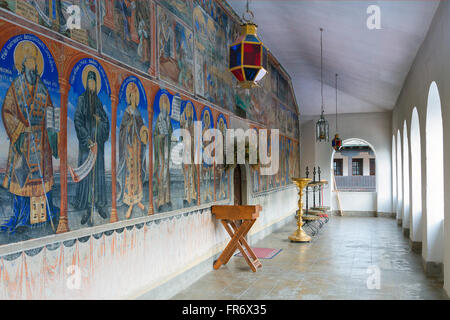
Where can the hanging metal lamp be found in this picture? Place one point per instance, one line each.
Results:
(248, 55)
(336, 143)
(322, 127)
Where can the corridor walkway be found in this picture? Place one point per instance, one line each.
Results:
(335, 265)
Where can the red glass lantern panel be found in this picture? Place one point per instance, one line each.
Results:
(252, 54)
(238, 74)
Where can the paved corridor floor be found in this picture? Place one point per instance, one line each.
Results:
(335, 265)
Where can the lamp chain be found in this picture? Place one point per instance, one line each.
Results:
(321, 66)
(249, 13)
(336, 105)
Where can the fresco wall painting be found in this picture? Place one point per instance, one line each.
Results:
(175, 183)
(132, 149)
(207, 166)
(53, 15)
(30, 101)
(89, 132)
(212, 79)
(109, 130)
(175, 50)
(221, 176)
(126, 32)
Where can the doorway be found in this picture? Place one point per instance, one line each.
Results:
(237, 186)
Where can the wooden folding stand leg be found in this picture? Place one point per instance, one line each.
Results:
(237, 235)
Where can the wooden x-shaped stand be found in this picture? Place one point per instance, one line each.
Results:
(228, 216)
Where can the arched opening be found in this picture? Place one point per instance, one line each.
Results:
(435, 178)
(354, 168)
(399, 178)
(406, 195)
(416, 179)
(394, 175)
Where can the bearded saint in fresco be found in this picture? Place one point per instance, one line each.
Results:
(29, 171)
(189, 169)
(207, 169)
(92, 128)
(220, 167)
(163, 133)
(133, 138)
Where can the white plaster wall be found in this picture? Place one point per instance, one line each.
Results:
(356, 201)
(431, 64)
(374, 128)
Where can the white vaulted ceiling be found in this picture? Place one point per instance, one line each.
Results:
(372, 64)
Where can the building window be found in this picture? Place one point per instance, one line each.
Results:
(372, 167)
(337, 166)
(357, 167)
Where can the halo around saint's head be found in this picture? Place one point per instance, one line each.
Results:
(221, 124)
(189, 109)
(132, 88)
(98, 80)
(164, 103)
(27, 49)
(207, 116)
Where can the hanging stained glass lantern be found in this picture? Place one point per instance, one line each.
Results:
(248, 55)
(336, 143)
(322, 127)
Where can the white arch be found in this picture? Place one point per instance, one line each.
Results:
(399, 178)
(394, 174)
(416, 179)
(355, 140)
(434, 248)
(406, 195)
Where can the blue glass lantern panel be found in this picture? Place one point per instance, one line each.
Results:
(235, 56)
(250, 73)
(251, 38)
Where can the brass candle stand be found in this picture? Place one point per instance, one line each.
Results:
(300, 235)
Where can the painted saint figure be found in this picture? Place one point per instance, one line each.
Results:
(207, 169)
(221, 168)
(189, 169)
(122, 15)
(162, 133)
(133, 138)
(141, 24)
(92, 127)
(29, 170)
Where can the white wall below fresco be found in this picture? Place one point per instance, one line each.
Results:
(128, 261)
